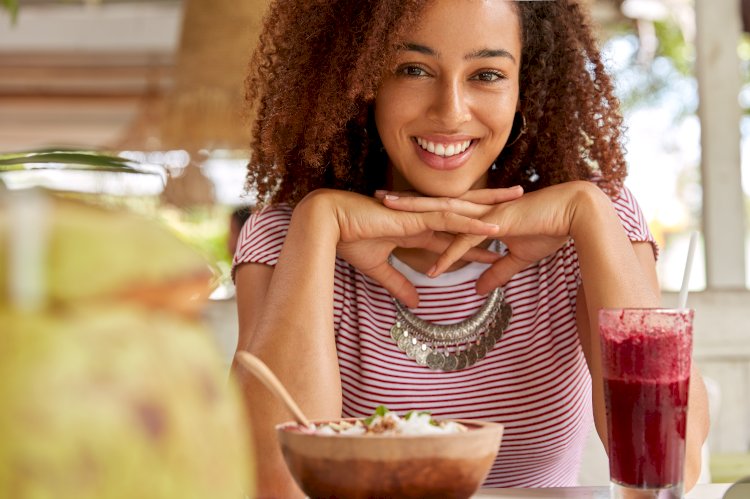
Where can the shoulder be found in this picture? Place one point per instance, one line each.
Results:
(263, 235)
(631, 217)
(272, 214)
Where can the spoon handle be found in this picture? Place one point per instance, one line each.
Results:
(268, 378)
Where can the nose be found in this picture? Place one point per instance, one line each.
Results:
(449, 107)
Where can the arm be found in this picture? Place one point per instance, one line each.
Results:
(587, 315)
(286, 314)
(281, 310)
(616, 272)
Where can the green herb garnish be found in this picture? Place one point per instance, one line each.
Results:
(409, 414)
(380, 410)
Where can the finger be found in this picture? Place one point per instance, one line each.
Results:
(481, 196)
(426, 204)
(381, 194)
(500, 273)
(460, 246)
(446, 221)
(493, 196)
(396, 284)
(440, 241)
(480, 255)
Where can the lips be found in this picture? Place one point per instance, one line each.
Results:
(444, 149)
(442, 154)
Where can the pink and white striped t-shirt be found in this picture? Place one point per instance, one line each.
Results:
(535, 380)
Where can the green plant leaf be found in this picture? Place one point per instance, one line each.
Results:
(12, 7)
(71, 160)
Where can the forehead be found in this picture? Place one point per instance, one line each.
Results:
(469, 24)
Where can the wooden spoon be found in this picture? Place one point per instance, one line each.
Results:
(268, 378)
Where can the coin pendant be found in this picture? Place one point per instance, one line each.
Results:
(404, 341)
(471, 357)
(461, 360)
(450, 363)
(396, 332)
(412, 347)
(480, 350)
(435, 360)
(489, 342)
(506, 312)
(421, 355)
(497, 333)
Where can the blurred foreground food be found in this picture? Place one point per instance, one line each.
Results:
(109, 386)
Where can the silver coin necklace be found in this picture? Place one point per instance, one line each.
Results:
(452, 347)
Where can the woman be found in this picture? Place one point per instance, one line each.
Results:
(416, 156)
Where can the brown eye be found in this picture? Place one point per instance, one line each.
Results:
(489, 76)
(412, 71)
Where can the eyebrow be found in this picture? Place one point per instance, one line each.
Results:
(478, 54)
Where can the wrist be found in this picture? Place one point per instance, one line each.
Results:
(317, 211)
(591, 208)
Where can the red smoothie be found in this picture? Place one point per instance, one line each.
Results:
(647, 431)
(646, 367)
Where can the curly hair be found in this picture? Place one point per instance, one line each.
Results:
(318, 65)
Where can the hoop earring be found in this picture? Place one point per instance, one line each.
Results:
(521, 129)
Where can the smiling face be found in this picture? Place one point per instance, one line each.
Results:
(445, 110)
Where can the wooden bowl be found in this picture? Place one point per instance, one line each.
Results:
(452, 465)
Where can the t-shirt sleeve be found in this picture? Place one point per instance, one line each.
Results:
(262, 236)
(632, 219)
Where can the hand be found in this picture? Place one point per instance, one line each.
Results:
(369, 231)
(532, 226)
(472, 204)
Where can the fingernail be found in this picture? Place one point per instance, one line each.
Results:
(391, 196)
(432, 271)
(380, 193)
(494, 226)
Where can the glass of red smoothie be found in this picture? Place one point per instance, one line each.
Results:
(646, 366)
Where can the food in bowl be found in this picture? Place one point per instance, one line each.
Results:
(334, 459)
(385, 422)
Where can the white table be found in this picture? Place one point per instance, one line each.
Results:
(701, 491)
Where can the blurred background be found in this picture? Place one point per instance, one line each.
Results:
(160, 82)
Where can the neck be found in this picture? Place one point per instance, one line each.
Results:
(422, 260)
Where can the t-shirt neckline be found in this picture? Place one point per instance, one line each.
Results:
(469, 272)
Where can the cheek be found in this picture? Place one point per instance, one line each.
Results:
(397, 103)
(389, 116)
(382, 113)
(497, 116)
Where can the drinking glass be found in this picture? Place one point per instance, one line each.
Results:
(646, 356)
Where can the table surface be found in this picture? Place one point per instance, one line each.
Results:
(700, 491)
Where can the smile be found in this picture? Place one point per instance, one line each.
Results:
(445, 150)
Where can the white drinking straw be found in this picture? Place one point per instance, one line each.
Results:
(682, 300)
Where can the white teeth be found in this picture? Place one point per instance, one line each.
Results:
(445, 150)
